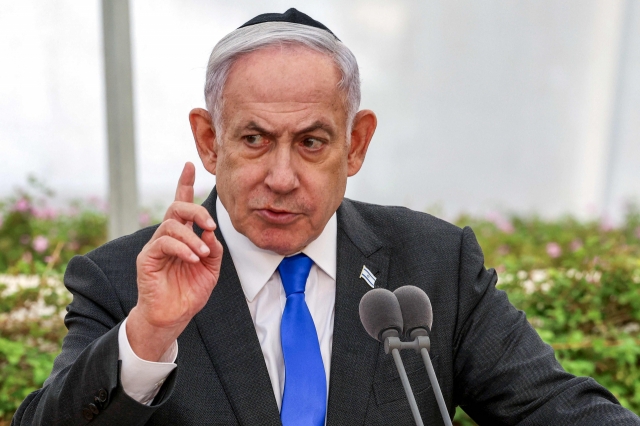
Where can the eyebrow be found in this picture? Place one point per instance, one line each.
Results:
(252, 125)
(317, 125)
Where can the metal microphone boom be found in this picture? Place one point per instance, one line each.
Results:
(382, 318)
(417, 316)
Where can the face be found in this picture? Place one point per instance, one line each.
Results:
(282, 160)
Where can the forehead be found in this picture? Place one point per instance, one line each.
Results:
(285, 77)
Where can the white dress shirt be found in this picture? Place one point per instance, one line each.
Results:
(266, 298)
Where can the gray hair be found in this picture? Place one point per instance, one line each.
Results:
(254, 37)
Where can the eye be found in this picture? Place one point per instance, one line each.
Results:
(312, 143)
(255, 140)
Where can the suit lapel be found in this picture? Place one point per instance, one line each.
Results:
(228, 333)
(354, 352)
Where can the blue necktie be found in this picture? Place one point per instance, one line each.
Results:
(305, 387)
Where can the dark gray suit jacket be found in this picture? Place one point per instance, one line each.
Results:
(487, 357)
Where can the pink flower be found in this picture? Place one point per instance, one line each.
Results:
(144, 219)
(638, 232)
(505, 226)
(554, 250)
(46, 213)
(22, 205)
(576, 245)
(503, 250)
(606, 224)
(51, 213)
(99, 204)
(501, 223)
(40, 243)
(48, 259)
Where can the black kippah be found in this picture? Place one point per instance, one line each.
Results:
(292, 15)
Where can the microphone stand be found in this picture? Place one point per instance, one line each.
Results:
(391, 344)
(420, 344)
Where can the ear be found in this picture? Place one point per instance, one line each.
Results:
(205, 136)
(364, 125)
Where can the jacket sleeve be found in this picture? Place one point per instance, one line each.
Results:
(84, 385)
(504, 374)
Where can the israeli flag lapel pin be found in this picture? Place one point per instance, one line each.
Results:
(368, 276)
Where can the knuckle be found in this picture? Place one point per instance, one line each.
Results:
(162, 230)
(202, 212)
(170, 224)
(179, 231)
(163, 240)
(171, 227)
(172, 207)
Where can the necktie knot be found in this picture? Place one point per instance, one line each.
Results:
(294, 271)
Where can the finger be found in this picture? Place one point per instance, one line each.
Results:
(176, 230)
(215, 248)
(214, 260)
(184, 191)
(166, 246)
(187, 212)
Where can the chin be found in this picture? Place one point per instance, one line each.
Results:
(280, 241)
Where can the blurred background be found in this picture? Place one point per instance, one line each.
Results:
(527, 106)
(518, 118)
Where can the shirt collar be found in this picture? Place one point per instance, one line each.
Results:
(255, 266)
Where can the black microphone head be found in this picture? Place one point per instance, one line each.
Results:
(380, 311)
(416, 308)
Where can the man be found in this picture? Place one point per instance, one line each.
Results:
(245, 310)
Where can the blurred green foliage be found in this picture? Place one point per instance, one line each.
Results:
(579, 284)
(31, 333)
(577, 281)
(35, 236)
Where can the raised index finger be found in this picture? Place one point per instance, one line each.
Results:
(184, 191)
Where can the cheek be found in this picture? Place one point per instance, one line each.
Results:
(327, 187)
(238, 178)
(227, 179)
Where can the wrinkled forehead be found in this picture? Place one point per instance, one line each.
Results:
(283, 78)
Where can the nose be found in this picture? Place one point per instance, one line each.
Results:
(282, 177)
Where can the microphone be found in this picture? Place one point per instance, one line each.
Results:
(381, 316)
(417, 313)
(417, 316)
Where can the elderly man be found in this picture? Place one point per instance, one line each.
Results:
(245, 310)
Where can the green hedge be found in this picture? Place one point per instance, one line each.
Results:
(578, 282)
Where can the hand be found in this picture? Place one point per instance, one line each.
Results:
(177, 272)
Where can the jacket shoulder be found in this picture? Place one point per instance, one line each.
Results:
(120, 255)
(109, 270)
(400, 225)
